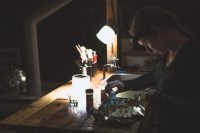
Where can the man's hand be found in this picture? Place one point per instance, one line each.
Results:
(116, 83)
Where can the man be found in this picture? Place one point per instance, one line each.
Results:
(175, 95)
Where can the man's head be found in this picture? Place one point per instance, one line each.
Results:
(149, 27)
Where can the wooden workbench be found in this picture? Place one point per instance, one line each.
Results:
(52, 113)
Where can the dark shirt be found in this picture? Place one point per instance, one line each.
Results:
(178, 104)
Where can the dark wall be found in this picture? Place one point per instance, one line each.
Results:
(78, 23)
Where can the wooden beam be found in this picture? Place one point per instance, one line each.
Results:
(112, 21)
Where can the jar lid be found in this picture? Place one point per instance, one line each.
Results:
(89, 90)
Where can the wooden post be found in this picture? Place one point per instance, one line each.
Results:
(112, 21)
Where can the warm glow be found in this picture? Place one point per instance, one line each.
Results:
(106, 35)
(80, 83)
(62, 93)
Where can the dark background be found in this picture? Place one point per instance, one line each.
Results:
(77, 23)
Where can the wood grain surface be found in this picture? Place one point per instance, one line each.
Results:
(52, 113)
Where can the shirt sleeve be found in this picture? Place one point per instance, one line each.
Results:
(141, 82)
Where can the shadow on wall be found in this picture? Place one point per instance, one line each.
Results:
(59, 33)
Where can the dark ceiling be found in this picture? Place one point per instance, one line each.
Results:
(20, 7)
(12, 10)
(24, 7)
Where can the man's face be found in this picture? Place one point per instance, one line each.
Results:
(153, 42)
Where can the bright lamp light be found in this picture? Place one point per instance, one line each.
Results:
(106, 35)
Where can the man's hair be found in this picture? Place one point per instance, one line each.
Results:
(150, 17)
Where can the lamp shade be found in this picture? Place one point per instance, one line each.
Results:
(106, 35)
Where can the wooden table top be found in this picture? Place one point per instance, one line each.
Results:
(52, 113)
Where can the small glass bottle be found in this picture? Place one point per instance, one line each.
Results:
(94, 64)
(89, 99)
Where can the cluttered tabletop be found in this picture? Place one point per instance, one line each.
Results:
(53, 113)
